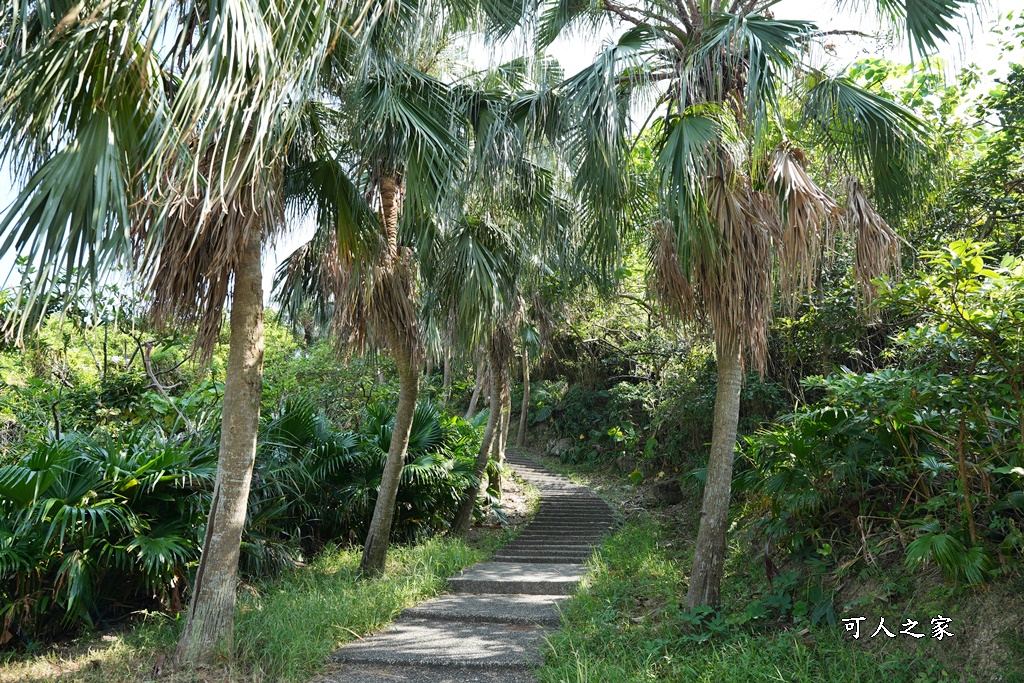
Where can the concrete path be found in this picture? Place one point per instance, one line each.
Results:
(491, 627)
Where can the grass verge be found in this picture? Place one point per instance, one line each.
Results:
(284, 628)
(627, 624)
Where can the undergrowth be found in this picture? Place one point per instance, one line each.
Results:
(284, 628)
(628, 624)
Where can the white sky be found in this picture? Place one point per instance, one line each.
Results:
(977, 44)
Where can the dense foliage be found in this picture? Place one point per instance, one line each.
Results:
(103, 512)
(876, 438)
(881, 419)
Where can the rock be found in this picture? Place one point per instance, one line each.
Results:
(561, 446)
(667, 492)
(625, 464)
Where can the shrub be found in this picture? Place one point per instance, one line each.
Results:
(93, 527)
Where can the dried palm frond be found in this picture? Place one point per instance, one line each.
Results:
(369, 299)
(543, 316)
(669, 283)
(738, 288)
(734, 286)
(391, 310)
(878, 245)
(807, 213)
(191, 268)
(502, 344)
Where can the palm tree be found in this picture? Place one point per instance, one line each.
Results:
(514, 218)
(182, 142)
(377, 195)
(714, 83)
(480, 265)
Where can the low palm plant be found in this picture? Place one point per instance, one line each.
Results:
(92, 524)
(94, 527)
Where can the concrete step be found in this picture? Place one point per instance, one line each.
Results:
(498, 609)
(566, 520)
(545, 545)
(569, 537)
(555, 500)
(541, 559)
(435, 642)
(567, 526)
(558, 556)
(518, 577)
(390, 673)
(554, 551)
(564, 528)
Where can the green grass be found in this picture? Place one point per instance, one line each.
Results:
(287, 628)
(284, 628)
(627, 624)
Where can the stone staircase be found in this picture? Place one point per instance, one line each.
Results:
(491, 627)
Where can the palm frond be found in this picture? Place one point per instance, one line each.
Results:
(926, 23)
(807, 215)
(565, 16)
(878, 245)
(686, 158)
(878, 138)
(597, 101)
(480, 263)
(756, 49)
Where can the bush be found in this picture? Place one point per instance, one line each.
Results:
(936, 446)
(95, 526)
(91, 527)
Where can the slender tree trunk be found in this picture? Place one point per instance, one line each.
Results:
(376, 547)
(493, 478)
(446, 384)
(709, 553)
(403, 349)
(209, 626)
(464, 517)
(501, 437)
(430, 368)
(481, 371)
(486, 391)
(506, 411)
(521, 436)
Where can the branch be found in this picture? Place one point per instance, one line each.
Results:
(848, 32)
(684, 16)
(159, 387)
(658, 76)
(670, 36)
(635, 299)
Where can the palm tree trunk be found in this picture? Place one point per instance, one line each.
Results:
(390, 202)
(446, 384)
(209, 626)
(709, 553)
(506, 411)
(521, 436)
(501, 437)
(376, 547)
(477, 388)
(464, 516)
